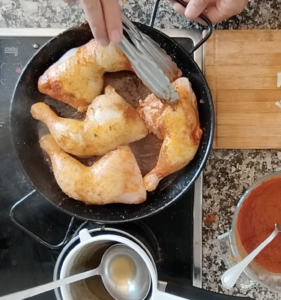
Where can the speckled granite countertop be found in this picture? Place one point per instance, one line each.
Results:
(228, 173)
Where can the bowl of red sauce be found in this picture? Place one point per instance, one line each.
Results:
(256, 213)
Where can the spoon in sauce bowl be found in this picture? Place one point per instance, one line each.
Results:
(124, 274)
(230, 277)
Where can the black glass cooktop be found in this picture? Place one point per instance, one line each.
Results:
(25, 262)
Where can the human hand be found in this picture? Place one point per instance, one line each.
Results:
(104, 18)
(215, 10)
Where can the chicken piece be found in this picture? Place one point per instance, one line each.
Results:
(110, 122)
(77, 77)
(98, 184)
(178, 125)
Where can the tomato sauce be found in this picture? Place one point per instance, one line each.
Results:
(256, 218)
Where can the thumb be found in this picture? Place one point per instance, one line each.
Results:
(195, 8)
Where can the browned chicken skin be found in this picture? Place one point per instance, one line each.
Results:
(115, 178)
(109, 123)
(178, 125)
(77, 78)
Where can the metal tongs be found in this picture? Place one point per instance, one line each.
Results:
(151, 64)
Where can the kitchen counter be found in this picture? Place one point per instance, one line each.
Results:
(228, 173)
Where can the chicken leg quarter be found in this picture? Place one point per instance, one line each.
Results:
(110, 122)
(177, 125)
(115, 178)
(77, 77)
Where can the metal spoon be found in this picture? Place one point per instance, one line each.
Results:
(230, 277)
(132, 282)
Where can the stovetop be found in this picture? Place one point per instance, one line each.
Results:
(25, 261)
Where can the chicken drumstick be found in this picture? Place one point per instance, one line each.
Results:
(178, 125)
(109, 123)
(115, 178)
(77, 77)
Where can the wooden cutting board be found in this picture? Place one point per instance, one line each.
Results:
(241, 69)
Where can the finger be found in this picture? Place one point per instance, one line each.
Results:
(210, 2)
(200, 21)
(195, 8)
(113, 22)
(225, 9)
(179, 8)
(94, 15)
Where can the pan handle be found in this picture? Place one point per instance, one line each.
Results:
(193, 293)
(67, 235)
(205, 38)
(209, 25)
(204, 18)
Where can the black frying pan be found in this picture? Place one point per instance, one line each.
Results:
(25, 131)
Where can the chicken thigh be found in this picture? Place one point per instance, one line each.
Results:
(115, 178)
(77, 77)
(177, 125)
(110, 122)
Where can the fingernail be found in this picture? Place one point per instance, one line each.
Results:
(115, 36)
(190, 11)
(103, 42)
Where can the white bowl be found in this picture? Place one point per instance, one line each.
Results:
(91, 249)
